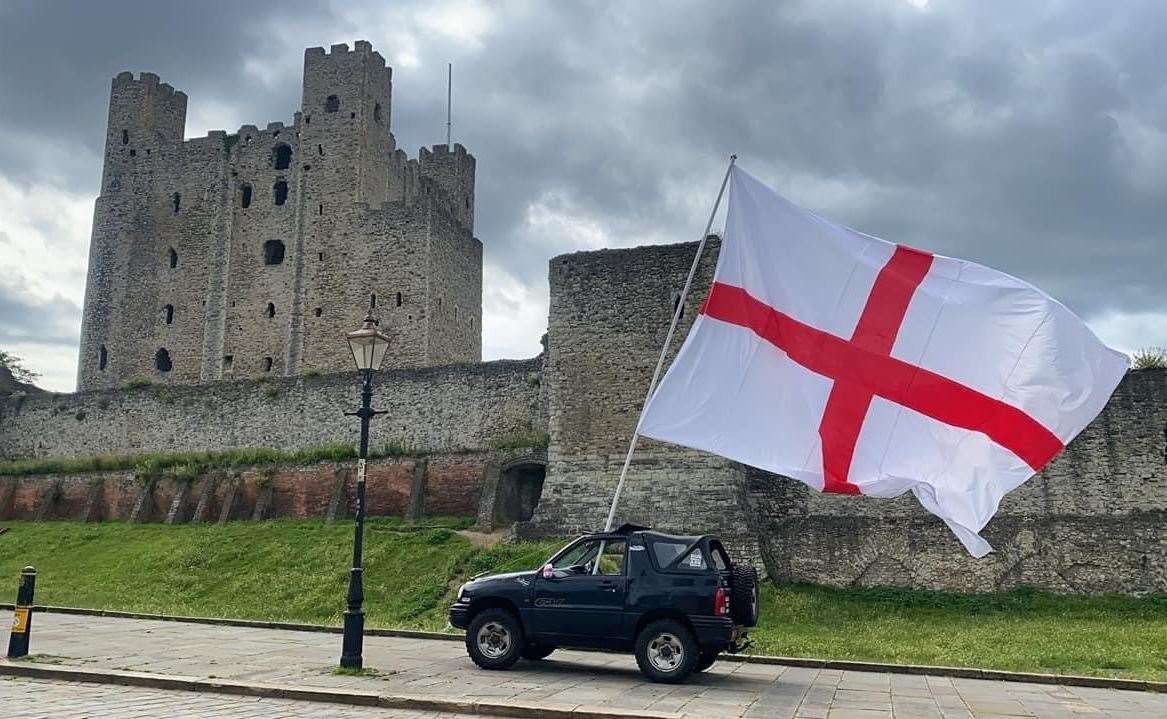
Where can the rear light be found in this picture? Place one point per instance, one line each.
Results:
(721, 602)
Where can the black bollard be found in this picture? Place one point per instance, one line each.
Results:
(22, 619)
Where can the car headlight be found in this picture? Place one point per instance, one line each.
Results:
(462, 592)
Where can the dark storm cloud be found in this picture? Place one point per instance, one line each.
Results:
(1028, 136)
(52, 322)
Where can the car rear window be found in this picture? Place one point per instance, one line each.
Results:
(665, 552)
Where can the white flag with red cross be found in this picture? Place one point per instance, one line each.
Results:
(859, 366)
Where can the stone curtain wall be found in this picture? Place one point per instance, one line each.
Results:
(459, 407)
(1095, 520)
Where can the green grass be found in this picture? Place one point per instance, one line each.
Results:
(1022, 630)
(297, 571)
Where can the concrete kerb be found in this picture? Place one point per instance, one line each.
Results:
(312, 694)
(1140, 685)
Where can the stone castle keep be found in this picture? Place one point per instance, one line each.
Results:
(194, 252)
(253, 253)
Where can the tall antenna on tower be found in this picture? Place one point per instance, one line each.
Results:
(449, 99)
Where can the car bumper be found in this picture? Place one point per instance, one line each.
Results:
(459, 614)
(717, 632)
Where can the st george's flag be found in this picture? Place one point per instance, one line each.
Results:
(862, 367)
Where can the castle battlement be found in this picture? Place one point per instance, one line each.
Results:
(253, 253)
(146, 80)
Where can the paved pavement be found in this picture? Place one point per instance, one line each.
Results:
(43, 699)
(439, 668)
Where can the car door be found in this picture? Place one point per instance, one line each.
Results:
(580, 602)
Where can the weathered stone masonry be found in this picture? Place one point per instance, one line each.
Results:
(436, 409)
(251, 254)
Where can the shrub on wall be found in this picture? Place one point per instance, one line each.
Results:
(1150, 358)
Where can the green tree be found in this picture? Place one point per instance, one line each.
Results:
(15, 365)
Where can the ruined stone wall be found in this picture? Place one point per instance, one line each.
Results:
(609, 314)
(1094, 520)
(464, 407)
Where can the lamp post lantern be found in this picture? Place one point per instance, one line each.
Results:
(368, 345)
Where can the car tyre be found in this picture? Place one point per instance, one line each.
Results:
(494, 639)
(667, 651)
(535, 652)
(744, 600)
(705, 661)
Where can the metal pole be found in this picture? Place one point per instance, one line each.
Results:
(354, 616)
(449, 100)
(22, 615)
(668, 340)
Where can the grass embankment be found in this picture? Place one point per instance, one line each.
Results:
(297, 571)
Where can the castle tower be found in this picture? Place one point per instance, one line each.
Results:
(243, 255)
(146, 121)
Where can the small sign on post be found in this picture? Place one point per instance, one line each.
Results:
(22, 615)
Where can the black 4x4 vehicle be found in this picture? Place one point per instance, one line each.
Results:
(677, 602)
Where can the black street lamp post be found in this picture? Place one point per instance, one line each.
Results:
(368, 346)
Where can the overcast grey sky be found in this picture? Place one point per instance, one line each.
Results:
(1029, 136)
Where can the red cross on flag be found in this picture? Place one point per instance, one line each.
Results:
(858, 366)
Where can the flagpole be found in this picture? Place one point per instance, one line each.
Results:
(668, 340)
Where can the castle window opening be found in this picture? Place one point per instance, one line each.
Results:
(125, 137)
(281, 156)
(273, 252)
(168, 314)
(280, 192)
(275, 134)
(320, 210)
(245, 196)
(372, 300)
(320, 256)
(377, 113)
(162, 360)
(352, 116)
(317, 311)
(267, 364)
(176, 198)
(320, 149)
(228, 362)
(271, 310)
(102, 357)
(133, 152)
(398, 299)
(332, 103)
(173, 258)
(676, 300)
